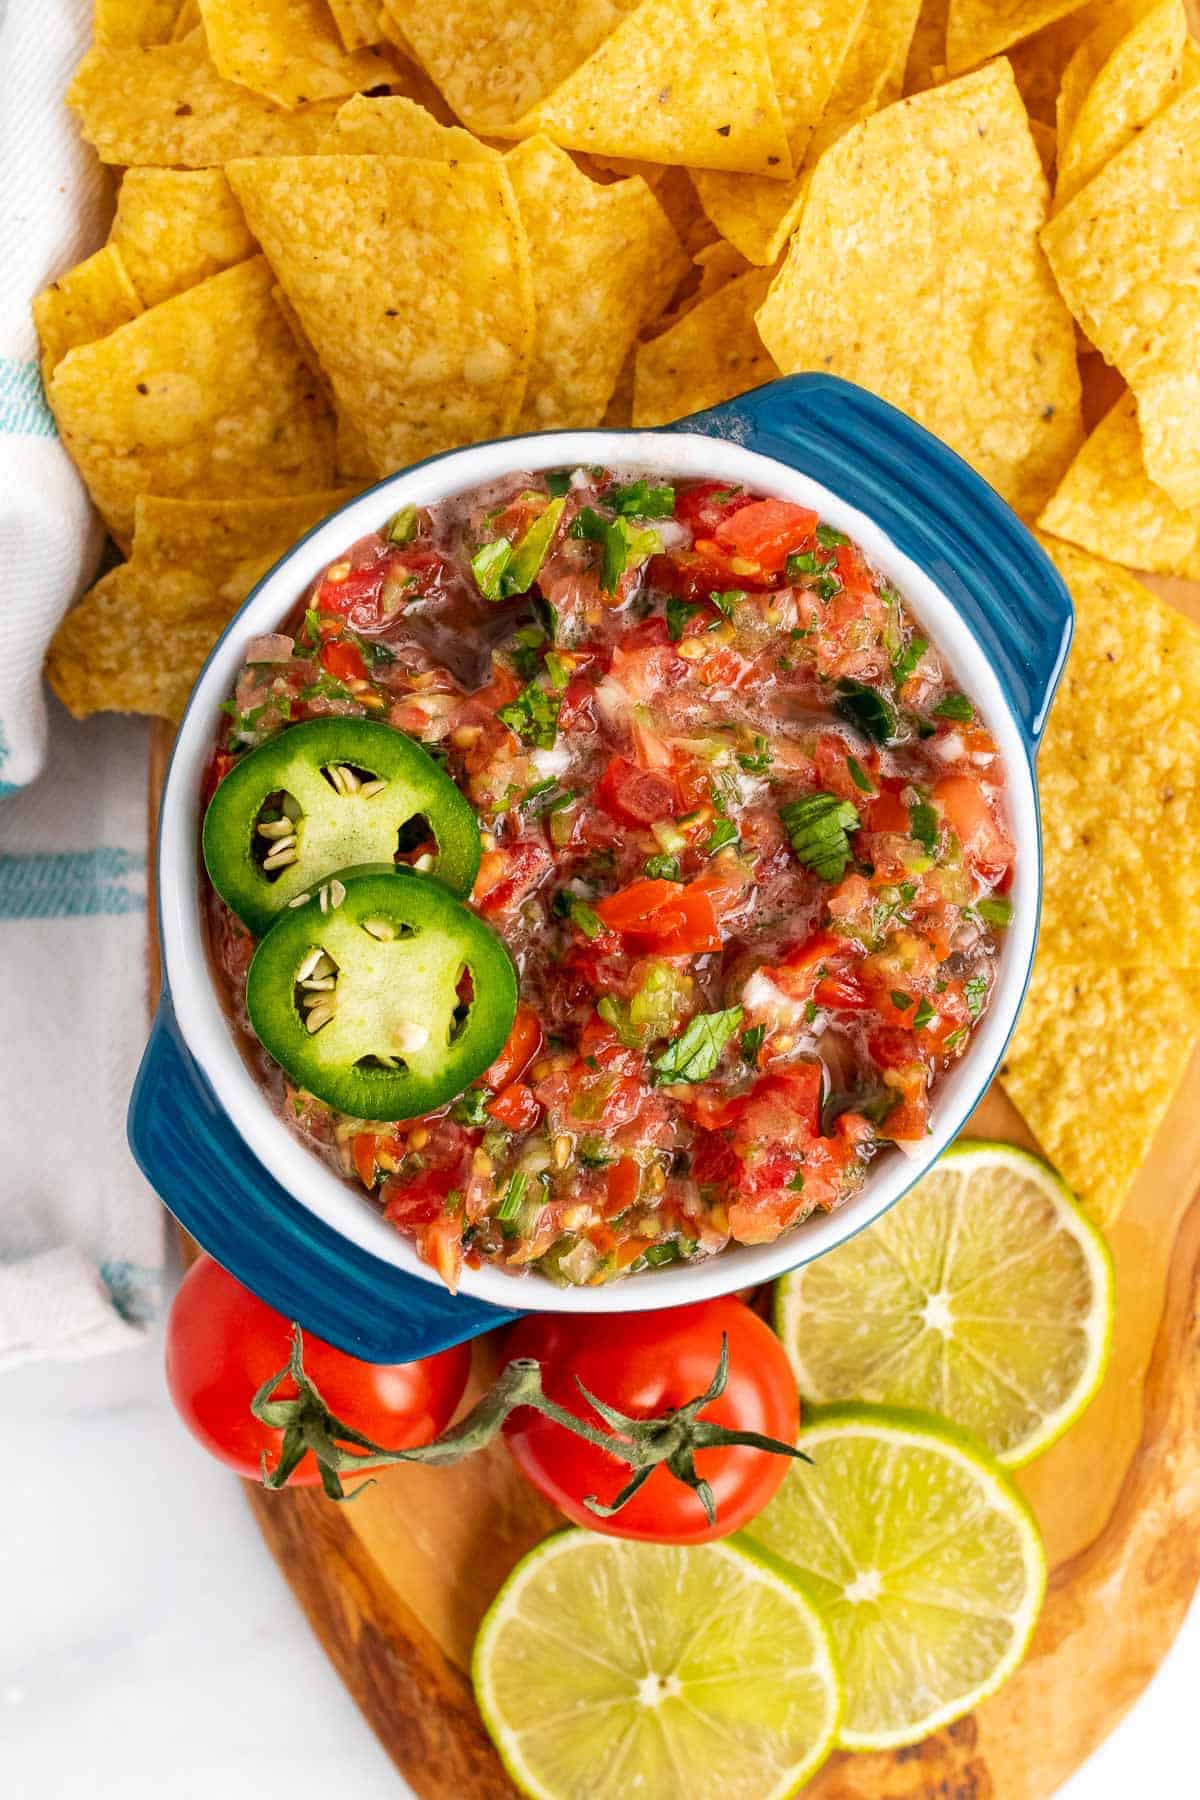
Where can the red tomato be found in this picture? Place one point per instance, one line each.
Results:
(522, 1045)
(766, 532)
(662, 915)
(986, 845)
(514, 1107)
(705, 505)
(646, 1364)
(223, 1343)
(343, 661)
(622, 1182)
(506, 876)
(364, 1157)
(634, 794)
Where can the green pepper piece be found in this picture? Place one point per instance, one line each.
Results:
(340, 822)
(393, 1037)
(530, 553)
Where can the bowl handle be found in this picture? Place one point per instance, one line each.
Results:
(932, 505)
(190, 1153)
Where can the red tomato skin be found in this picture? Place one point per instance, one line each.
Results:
(223, 1343)
(343, 661)
(645, 1364)
(634, 795)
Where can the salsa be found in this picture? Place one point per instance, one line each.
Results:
(741, 833)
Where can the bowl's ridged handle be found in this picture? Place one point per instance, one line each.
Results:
(191, 1154)
(933, 506)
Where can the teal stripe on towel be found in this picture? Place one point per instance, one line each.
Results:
(72, 884)
(23, 409)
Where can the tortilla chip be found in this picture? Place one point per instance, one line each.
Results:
(618, 414)
(718, 263)
(937, 202)
(134, 21)
(1108, 504)
(189, 20)
(411, 281)
(679, 81)
(1119, 775)
(926, 65)
(1096, 1060)
(137, 640)
(357, 23)
(977, 29)
(1141, 76)
(289, 50)
(206, 393)
(494, 59)
(713, 354)
(168, 105)
(604, 260)
(676, 194)
(175, 227)
(1046, 143)
(86, 303)
(759, 215)
(1125, 251)
(395, 126)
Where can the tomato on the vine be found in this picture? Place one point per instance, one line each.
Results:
(223, 1343)
(647, 1365)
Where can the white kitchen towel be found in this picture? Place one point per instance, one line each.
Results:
(81, 1235)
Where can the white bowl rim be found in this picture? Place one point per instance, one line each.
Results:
(202, 1020)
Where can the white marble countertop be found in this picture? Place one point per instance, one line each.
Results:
(150, 1650)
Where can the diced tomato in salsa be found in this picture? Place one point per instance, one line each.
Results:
(741, 832)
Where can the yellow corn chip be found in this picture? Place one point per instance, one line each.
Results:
(289, 50)
(604, 261)
(679, 81)
(395, 126)
(937, 202)
(977, 29)
(411, 281)
(926, 64)
(718, 263)
(168, 105)
(619, 412)
(1108, 504)
(759, 215)
(1141, 76)
(175, 227)
(712, 354)
(206, 393)
(1047, 145)
(1125, 253)
(494, 59)
(137, 640)
(1095, 1062)
(1119, 775)
(357, 23)
(676, 194)
(134, 21)
(189, 20)
(86, 303)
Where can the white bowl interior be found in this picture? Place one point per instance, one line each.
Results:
(198, 1010)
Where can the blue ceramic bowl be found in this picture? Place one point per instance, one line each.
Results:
(204, 1134)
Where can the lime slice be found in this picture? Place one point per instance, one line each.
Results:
(609, 1668)
(923, 1558)
(985, 1295)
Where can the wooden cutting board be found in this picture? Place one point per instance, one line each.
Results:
(395, 1585)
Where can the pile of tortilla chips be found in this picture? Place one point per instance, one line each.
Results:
(352, 233)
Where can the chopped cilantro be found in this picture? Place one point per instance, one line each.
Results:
(641, 501)
(525, 649)
(729, 602)
(680, 613)
(723, 832)
(828, 537)
(975, 988)
(752, 1043)
(803, 562)
(514, 1195)
(311, 629)
(954, 706)
(546, 616)
(662, 868)
(325, 688)
(956, 1038)
(558, 482)
(923, 1015)
(759, 759)
(866, 707)
(923, 824)
(695, 1053)
(585, 919)
(468, 1109)
(859, 776)
(796, 1184)
(533, 716)
(904, 666)
(624, 545)
(588, 524)
(825, 587)
(900, 1000)
(819, 827)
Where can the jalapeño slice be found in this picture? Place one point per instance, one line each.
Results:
(381, 994)
(328, 795)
